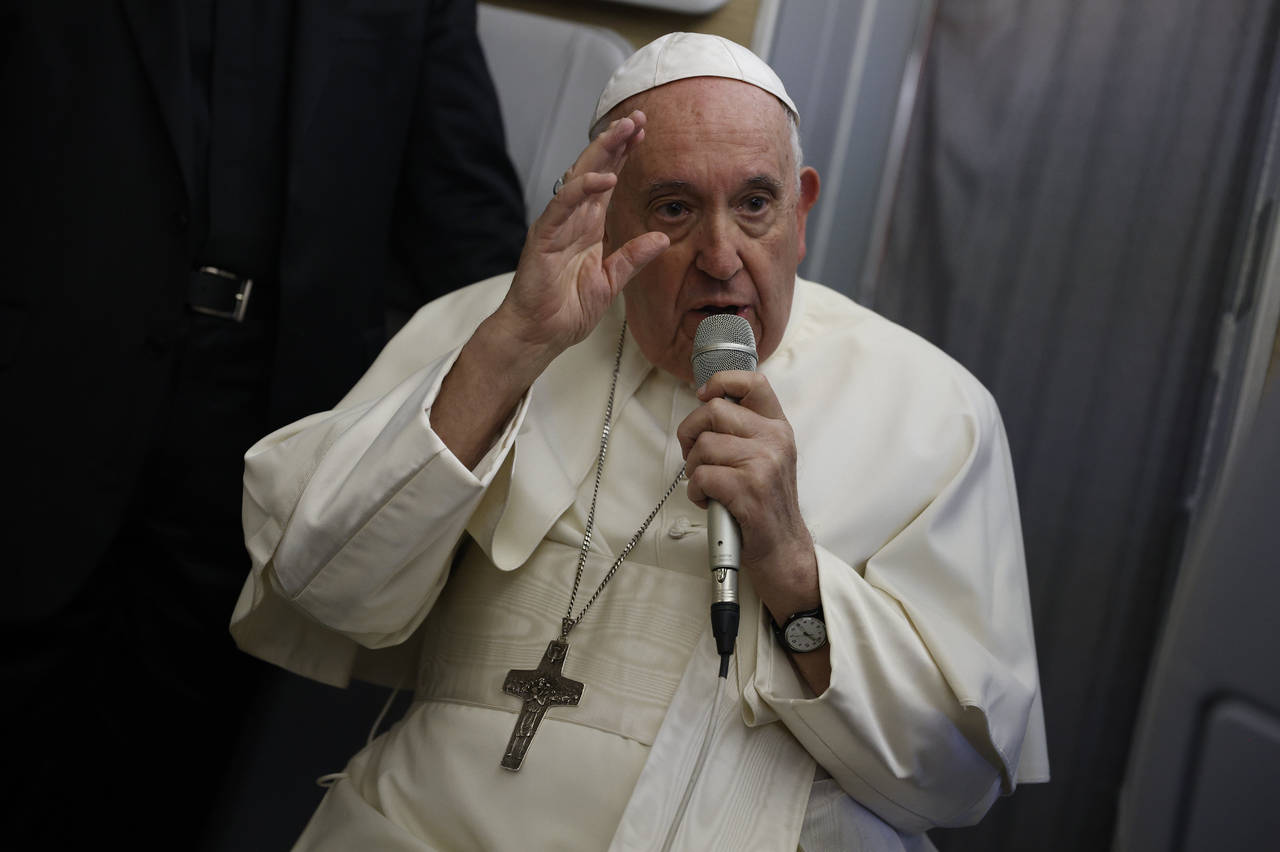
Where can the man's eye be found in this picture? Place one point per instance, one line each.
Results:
(756, 203)
(671, 210)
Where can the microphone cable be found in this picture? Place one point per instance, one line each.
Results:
(703, 750)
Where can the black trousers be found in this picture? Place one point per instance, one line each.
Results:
(127, 704)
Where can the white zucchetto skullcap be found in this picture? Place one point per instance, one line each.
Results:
(677, 56)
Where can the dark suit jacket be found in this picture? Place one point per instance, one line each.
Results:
(397, 181)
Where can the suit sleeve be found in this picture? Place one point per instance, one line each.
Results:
(459, 211)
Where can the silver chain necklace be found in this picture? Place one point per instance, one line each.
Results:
(545, 686)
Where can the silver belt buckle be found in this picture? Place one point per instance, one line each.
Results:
(241, 296)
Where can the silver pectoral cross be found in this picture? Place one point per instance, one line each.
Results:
(540, 688)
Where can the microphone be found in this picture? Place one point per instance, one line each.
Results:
(723, 342)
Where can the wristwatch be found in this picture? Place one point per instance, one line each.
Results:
(802, 632)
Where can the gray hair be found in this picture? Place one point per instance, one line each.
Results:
(793, 132)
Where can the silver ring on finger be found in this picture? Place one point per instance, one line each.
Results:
(559, 184)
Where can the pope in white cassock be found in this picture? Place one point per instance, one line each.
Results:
(461, 522)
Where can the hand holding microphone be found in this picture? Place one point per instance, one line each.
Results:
(741, 461)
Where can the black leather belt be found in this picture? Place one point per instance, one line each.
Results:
(219, 293)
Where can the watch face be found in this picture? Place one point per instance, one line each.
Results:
(806, 633)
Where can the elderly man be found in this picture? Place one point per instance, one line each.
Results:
(462, 516)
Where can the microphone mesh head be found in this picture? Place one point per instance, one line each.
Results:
(722, 342)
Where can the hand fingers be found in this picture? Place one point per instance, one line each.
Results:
(608, 151)
(721, 484)
(756, 413)
(706, 429)
(732, 469)
(751, 389)
(623, 264)
(716, 460)
(731, 452)
(589, 183)
(718, 416)
(591, 186)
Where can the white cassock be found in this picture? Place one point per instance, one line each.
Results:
(376, 554)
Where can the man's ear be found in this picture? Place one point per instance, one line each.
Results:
(809, 186)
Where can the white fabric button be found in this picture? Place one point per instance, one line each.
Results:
(682, 527)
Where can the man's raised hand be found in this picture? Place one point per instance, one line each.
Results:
(565, 283)
(562, 287)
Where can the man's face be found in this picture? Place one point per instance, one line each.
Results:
(715, 174)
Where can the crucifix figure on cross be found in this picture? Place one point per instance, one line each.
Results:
(540, 688)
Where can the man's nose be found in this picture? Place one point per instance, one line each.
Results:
(718, 247)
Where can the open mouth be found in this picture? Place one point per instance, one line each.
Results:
(708, 310)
